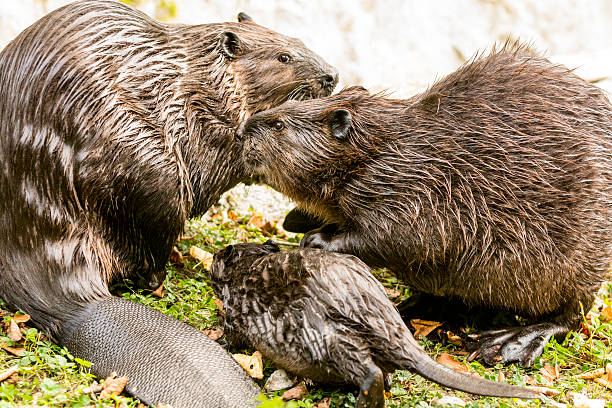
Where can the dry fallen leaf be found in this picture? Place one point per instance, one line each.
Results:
(213, 334)
(253, 365)
(14, 331)
(19, 352)
(113, 385)
(606, 314)
(21, 318)
(549, 373)
(456, 340)
(549, 392)
(269, 228)
(176, 257)
(589, 375)
(296, 392)
(450, 362)
(219, 303)
(201, 255)
(423, 327)
(232, 215)
(8, 373)
(159, 292)
(256, 221)
(500, 376)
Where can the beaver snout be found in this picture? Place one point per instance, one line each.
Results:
(329, 80)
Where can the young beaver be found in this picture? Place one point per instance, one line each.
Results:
(322, 315)
(114, 129)
(493, 187)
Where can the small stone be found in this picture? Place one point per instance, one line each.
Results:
(279, 380)
(448, 400)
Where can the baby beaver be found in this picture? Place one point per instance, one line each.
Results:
(322, 315)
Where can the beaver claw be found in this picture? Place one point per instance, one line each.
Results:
(522, 344)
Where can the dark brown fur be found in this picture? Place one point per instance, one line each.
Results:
(324, 316)
(114, 129)
(494, 186)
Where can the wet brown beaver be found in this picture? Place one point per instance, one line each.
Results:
(324, 316)
(114, 129)
(493, 187)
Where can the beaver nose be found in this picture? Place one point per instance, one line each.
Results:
(329, 80)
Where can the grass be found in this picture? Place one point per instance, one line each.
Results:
(49, 376)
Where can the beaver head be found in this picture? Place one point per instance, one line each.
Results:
(307, 149)
(269, 68)
(232, 255)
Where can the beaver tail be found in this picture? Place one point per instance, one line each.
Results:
(165, 360)
(421, 363)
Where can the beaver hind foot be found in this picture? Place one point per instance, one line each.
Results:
(521, 344)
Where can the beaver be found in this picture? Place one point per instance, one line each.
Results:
(114, 129)
(324, 316)
(493, 187)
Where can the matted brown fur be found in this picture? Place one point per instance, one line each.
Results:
(114, 129)
(494, 186)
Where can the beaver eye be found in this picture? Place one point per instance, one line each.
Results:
(278, 125)
(284, 58)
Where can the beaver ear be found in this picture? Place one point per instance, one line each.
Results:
(244, 17)
(339, 122)
(230, 44)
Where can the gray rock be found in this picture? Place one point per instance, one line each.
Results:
(279, 380)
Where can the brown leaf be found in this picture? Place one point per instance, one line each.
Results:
(213, 334)
(14, 331)
(550, 392)
(232, 215)
(176, 257)
(253, 365)
(423, 327)
(392, 294)
(8, 373)
(609, 372)
(453, 338)
(269, 228)
(296, 392)
(113, 385)
(21, 318)
(450, 362)
(606, 314)
(324, 403)
(500, 376)
(201, 255)
(550, 373)
(159, 292)
(589, 375)
(14, 351)
(256, 221)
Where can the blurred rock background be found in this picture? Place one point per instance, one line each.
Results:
(395, 45)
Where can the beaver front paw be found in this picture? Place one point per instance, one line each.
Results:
(322, 238)
(521, 344)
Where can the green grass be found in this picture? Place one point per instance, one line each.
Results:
(49, 376)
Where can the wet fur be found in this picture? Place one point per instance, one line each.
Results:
(494, 186)
(114, 129)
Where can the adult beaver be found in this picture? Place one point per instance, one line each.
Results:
(114, 129)
(324, 316)
(493, 187)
